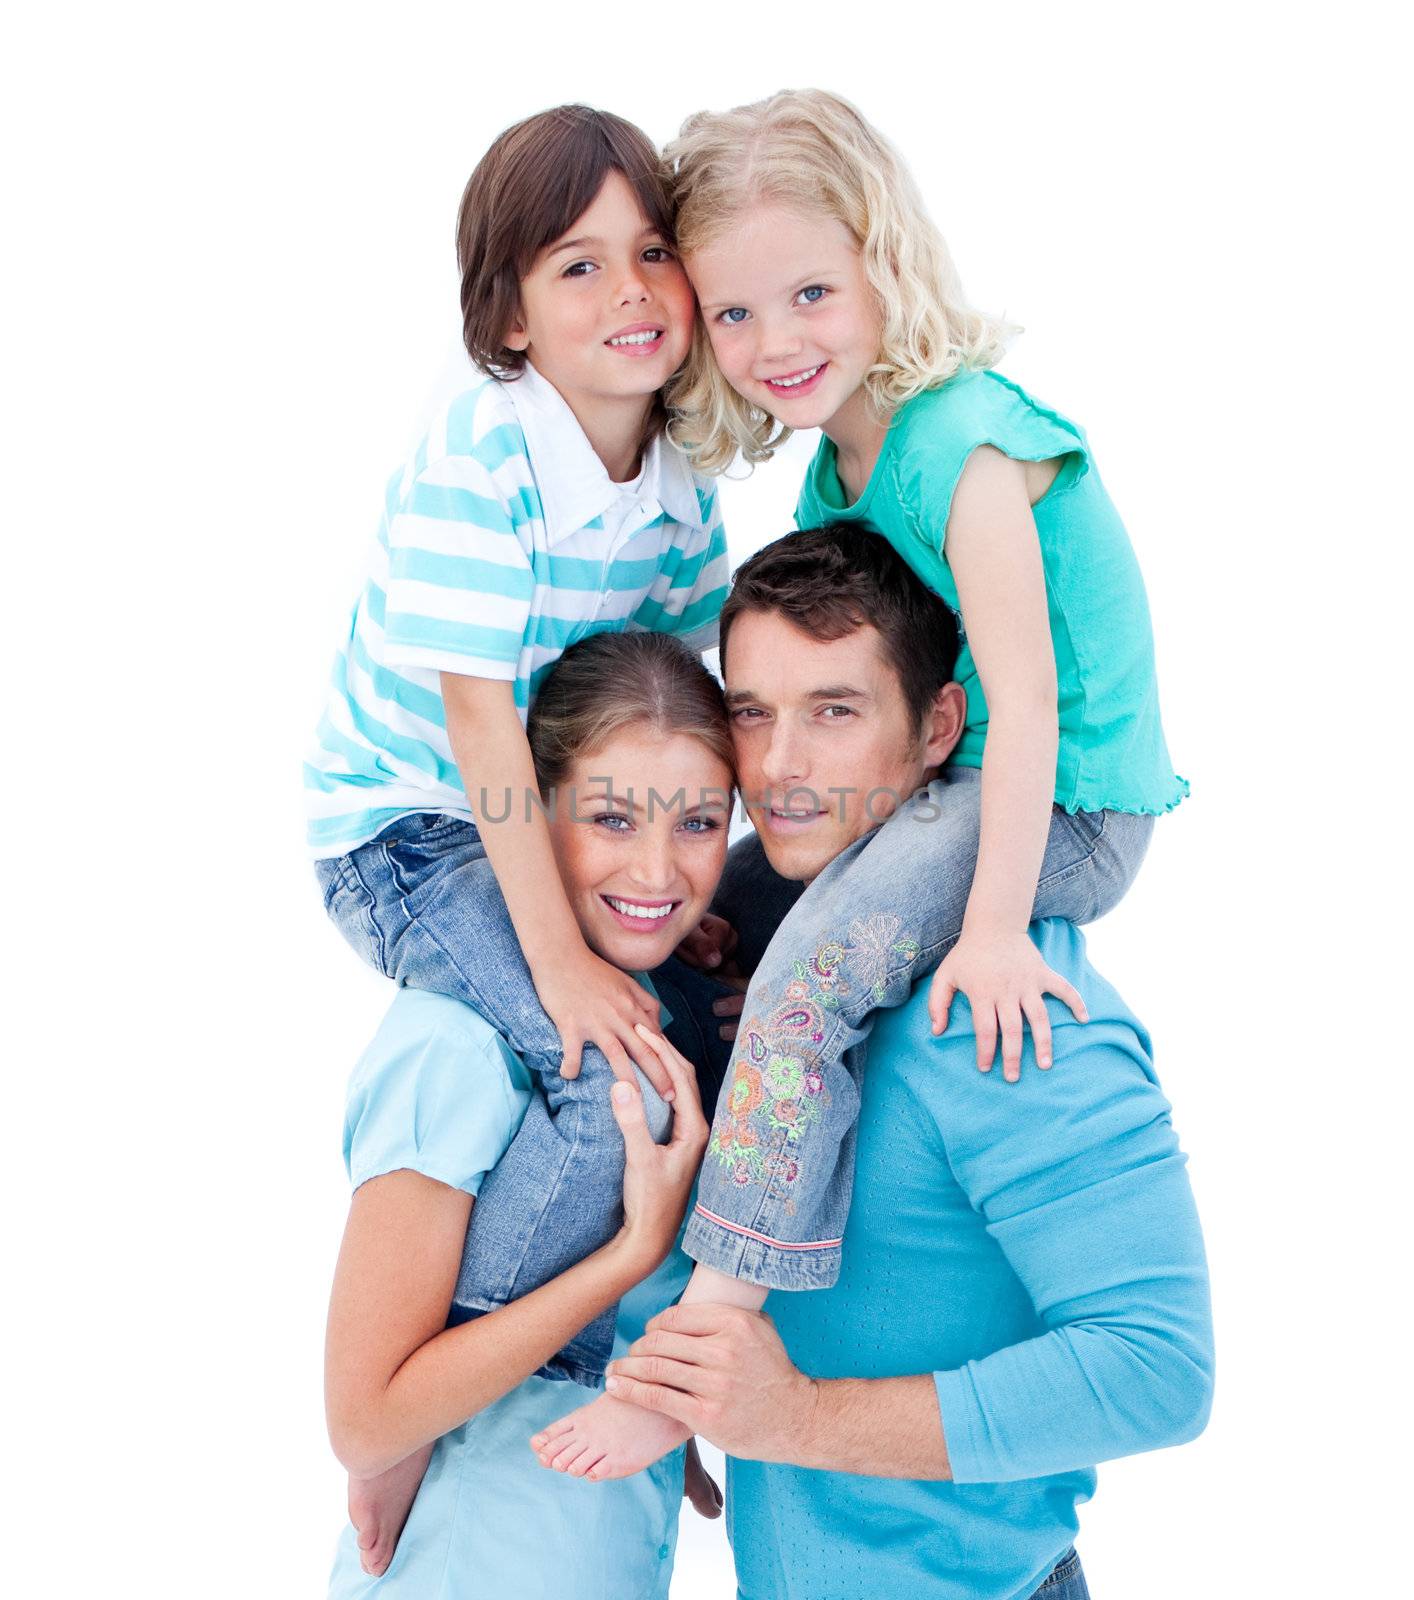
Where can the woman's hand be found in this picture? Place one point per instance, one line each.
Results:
(1004, 979)
(658, 1177)
(591, 1002)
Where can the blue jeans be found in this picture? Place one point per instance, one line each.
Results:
(421, 903)
(775, 1187)
(1066, 1582)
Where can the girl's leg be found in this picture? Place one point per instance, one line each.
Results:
(423, 900)
(792, 1098)
(776, 1184)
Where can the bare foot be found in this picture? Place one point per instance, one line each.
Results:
(698, 1485)
(608, 1438)
(378, 1508)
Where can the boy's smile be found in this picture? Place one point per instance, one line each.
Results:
(606, 313)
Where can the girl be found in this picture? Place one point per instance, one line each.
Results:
(828, 300)
(433, 1105)
(542, 507)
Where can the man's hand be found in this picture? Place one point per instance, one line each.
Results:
(709, 945)
(724, 1373)
(728, 1009)
(1004, 979)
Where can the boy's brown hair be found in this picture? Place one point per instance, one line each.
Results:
(526, 192)
(829, 581)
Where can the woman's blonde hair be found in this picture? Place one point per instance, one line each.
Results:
(811, 151)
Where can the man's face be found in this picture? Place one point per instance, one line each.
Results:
(825, 745)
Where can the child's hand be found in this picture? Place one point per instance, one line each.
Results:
(591, 1002)
(709, 944)
(1004, 979)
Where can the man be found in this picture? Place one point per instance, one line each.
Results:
(1023, 1290)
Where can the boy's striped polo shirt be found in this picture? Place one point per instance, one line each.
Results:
(502, 542)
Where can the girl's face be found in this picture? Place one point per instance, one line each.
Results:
(793, 321)
(606, 311)
(639, 831)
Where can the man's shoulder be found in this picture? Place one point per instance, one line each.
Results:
(1089, 1057)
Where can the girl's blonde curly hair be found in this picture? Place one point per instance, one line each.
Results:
(809, 150)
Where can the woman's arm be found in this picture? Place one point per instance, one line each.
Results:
(395, 1376)
(587, 999)
(995, 557)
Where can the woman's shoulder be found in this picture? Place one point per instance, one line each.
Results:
(437, 1091)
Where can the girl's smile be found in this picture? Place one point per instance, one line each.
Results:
(797, 385)
(793, 321)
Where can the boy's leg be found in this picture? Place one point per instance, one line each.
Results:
(424, 898)
(552, 1198)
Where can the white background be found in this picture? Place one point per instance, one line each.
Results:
(230, 293)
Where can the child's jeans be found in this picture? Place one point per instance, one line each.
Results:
(422, 904)
(775, 1187)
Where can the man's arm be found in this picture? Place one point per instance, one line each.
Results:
(724, 1373)
(1092, 1208)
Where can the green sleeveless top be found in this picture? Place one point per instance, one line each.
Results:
(1112, 752)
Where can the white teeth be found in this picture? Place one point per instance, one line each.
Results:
(644, 913)
(790, 383)
(637, 338)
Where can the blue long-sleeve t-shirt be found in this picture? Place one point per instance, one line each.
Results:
(1035, 1247)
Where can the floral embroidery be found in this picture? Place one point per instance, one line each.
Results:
(778, 1087)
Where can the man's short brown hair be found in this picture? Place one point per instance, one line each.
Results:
(829, 581)
(527, 191)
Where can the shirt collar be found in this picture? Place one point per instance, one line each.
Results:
(574, 488)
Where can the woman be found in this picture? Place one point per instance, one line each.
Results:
(623, 721)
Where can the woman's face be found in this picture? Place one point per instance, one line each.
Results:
(639, 831)
(794, 324)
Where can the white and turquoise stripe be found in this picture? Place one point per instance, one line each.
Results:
(464, 576)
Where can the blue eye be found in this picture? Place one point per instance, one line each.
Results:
(813, 295)
(610, 820)
(701, 824)
(733, 316)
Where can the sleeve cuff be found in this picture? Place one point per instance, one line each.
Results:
(960, 1413)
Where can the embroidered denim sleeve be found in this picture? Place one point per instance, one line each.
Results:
(779, 1084)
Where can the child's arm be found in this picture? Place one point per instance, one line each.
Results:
(995, 558)
(588, 1000)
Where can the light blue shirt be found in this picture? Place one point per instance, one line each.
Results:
(1035, 1247)
(440, 1092)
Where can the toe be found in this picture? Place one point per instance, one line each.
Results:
(556, 1430)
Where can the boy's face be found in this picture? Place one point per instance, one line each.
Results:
(793, 321)
(606, 312)
(825, 744)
